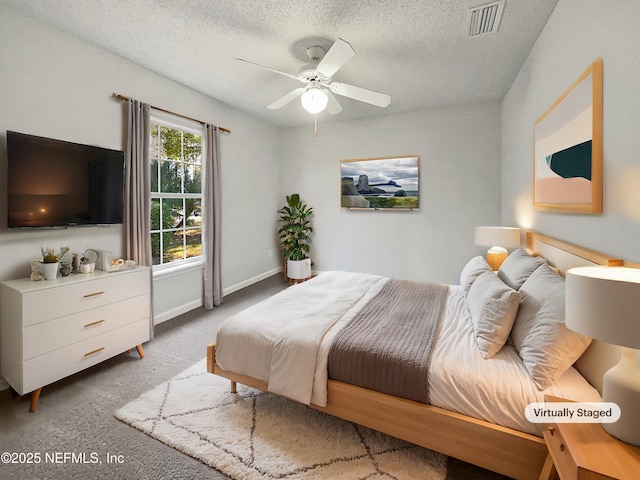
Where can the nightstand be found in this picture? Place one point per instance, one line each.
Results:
(585, 451)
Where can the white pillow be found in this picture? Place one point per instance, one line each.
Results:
(517, 267)
(547, 347)
(493, 307)
(471, 271)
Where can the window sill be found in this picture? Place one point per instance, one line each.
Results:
(172, 270)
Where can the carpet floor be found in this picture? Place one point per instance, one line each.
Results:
(74, 430)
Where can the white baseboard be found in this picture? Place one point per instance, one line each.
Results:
(251, 281)
(174, 312)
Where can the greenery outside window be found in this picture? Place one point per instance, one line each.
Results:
(175, 153)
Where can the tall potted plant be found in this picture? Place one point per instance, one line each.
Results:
(294, 234)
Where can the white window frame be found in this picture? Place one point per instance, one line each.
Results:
(176, 122)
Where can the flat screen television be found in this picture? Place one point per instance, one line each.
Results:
(54, 183)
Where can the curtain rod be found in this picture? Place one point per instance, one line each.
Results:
(122, 97)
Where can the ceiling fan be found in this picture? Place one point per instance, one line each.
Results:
(317, 94)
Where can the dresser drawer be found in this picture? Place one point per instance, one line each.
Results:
(562, 459)
(46, 369)
(45, 337)
(48, 303)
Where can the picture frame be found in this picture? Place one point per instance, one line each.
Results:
(567, 158)
(383, 183)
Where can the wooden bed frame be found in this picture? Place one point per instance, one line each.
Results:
(500, 449)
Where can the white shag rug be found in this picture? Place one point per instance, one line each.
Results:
(253, 435)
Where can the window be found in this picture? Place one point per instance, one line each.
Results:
(175, 154)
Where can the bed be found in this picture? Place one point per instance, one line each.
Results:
(479, 375)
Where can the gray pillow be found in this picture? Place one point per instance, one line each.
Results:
(547, 347)
(493, 307)
(471, 271)
(517, 267)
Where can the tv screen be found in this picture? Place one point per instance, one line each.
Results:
(56, 183)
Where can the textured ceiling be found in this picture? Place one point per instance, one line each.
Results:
(417, 51)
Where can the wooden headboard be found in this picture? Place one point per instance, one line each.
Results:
(562, 255)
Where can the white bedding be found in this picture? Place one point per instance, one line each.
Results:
(497, 389)
(280, 338)
(254, 343)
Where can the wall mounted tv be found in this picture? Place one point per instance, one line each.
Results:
(53, 183)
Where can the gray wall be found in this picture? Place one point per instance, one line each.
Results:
(56, 86)
(577, 33)
(459, 150)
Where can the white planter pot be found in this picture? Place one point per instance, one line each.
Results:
(50, 270)
(299, 269)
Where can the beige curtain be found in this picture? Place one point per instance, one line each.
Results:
(212, 212)
(137, 203)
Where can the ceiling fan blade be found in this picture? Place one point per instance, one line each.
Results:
(361, 94)
(289, 97)
(339, 54)
(333, 106)
(295, 77)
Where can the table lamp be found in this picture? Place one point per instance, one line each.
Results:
(497, 238)
(604, 303)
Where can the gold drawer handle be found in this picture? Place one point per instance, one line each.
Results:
(93, 294)
(93, 323)
(94, 351)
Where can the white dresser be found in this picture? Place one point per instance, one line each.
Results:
(54, 328)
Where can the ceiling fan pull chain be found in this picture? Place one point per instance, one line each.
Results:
(315, 124)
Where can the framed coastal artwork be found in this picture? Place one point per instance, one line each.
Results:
(567, 168)
(387, 183)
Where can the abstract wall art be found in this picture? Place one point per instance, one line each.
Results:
(567, 165)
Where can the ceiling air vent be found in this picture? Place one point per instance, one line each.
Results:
(484, 19)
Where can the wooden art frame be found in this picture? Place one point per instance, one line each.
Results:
(567, 159)
(385, 183)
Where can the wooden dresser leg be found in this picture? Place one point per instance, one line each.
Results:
(35, 396)
(140, 351)
(234, 387)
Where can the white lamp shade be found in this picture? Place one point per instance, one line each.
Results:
(497, 236)
(604, 303)
(314, 100)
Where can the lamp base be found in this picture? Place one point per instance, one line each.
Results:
(495, 257)
(621, 385)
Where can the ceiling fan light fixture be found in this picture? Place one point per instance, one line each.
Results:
(314, 100)
(317, 93)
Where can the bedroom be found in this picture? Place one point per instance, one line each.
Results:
(45, 98)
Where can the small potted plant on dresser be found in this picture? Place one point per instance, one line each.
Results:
(294, 234)
(51, 261)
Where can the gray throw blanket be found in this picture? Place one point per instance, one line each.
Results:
(387, 345)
